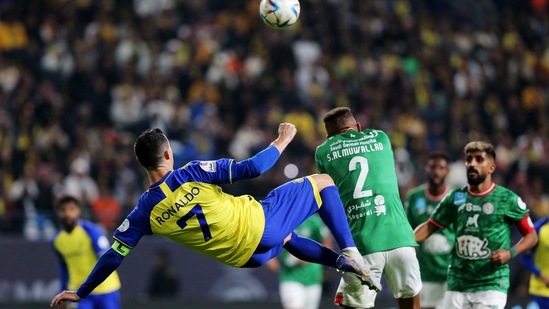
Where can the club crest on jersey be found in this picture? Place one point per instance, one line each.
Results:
(488, 208)
(208, 166)
(459, 198)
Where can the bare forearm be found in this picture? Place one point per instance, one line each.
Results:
(424, 230)
(526, 242)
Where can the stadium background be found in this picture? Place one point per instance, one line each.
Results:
(80, 78)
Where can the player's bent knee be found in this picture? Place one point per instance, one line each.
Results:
(322, 181)
(288, 238)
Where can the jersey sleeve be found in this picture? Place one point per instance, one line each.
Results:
(99, 241)
(517, 208)
(135, 226)
(445, 211)
(106, 264)
(527, 258)
(228, 170)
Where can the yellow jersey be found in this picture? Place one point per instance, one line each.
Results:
(188, 207)
(78, 252)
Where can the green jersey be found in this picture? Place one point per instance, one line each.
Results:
(434, 253)
(362, 166)
(294, 270)
(482, 224)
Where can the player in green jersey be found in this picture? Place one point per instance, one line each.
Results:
(434, 252)
(482, 214)
(362, 165)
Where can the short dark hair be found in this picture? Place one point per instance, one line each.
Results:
(65, 199)
(338, 118)
(149, 147)
(480, 146)
(439, 155)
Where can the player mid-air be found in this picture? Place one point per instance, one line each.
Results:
(187, 206)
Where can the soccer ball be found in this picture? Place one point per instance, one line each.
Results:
(279, 14)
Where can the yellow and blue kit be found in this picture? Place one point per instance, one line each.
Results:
(78, 252)
(536, 260)
(188, 206)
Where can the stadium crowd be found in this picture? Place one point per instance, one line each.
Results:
(79, 80)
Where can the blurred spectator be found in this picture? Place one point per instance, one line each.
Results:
(11, 218)
(24, 193)
(248, 138)
(106, 209)
(81, 185)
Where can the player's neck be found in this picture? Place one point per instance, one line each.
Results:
(437, 190)
(482, 188)
(158, 173)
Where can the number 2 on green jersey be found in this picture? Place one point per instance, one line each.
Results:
(362, 163)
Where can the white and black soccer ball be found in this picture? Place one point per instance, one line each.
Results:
(279, 14)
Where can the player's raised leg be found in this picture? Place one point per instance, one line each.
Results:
(331, 211)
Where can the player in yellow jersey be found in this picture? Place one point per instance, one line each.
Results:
(187, 206)
(78, 245)
(536, 260)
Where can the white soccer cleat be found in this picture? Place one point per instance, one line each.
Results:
(358, 267)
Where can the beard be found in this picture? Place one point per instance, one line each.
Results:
(475, 180)
(435, 181)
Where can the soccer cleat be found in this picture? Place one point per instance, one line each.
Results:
(358, 267)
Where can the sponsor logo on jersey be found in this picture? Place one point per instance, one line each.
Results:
(470, 207)
(472, 248)
(459, 198)
(472, 221)
(365, 209)
(208, 166)
(420, 205)
(380, 208)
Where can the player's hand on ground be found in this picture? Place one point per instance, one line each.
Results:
(500, 256)
(60, 298)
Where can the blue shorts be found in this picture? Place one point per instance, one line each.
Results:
(99, 301)
(543, 302)
(286, 207)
